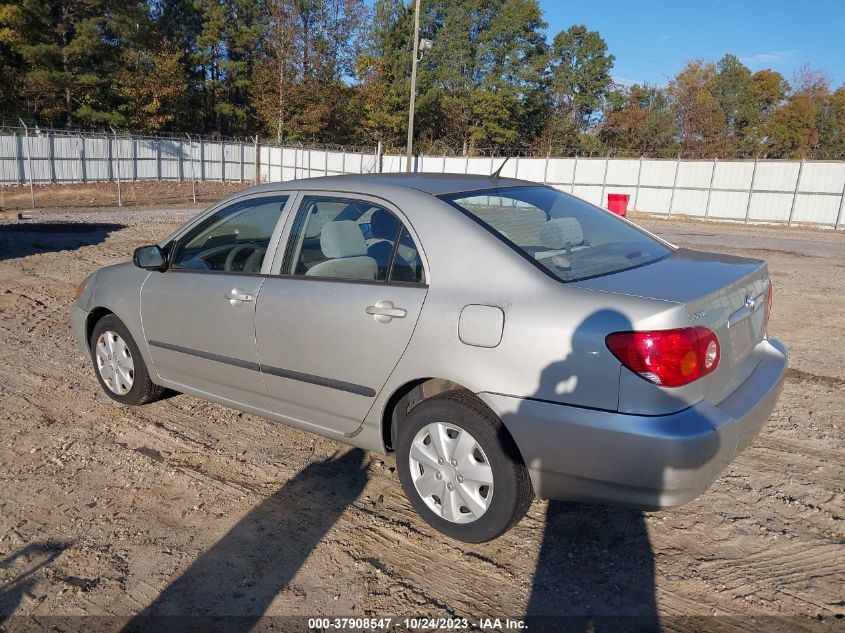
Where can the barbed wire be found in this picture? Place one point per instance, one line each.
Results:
(424, 149)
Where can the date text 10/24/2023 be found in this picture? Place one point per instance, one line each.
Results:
(415, 623)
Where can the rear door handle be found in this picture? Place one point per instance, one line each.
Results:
(236, 296)
(384, 311)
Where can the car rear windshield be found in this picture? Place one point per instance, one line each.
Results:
(565, 236)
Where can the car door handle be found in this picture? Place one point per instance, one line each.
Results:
(236, 296)
(384, 311)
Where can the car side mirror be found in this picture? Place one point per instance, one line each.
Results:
(149, 257)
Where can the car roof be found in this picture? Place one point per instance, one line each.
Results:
(434, 184)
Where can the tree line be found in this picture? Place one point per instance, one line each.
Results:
(338, 71)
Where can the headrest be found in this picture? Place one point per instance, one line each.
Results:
(342, 238)
(383, 224)
(556, 233)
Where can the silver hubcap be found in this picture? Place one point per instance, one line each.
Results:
(114, 360)
(451, 472)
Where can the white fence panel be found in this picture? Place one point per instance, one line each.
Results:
(561, 171)
(67, 158)
(335, 163)
(733, 174)
(815, 208)
(769, 207)
(756, 191)
(776, 175)
(508, 167)
(590, 193)
(694, 174)
(653, 200)
(621, 171)
(689, 202)
(657, 173)
(11, 166)
(823, 177)
(532, 169)
(476, 165)
(728, 205)
(590, 171)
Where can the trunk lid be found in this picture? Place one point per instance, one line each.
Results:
(722, 292)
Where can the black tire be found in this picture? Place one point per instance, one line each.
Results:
(512, 491)
(143, 390)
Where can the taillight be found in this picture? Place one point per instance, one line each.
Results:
(669, 358)
(768, 312)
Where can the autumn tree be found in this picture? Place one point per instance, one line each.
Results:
(793, 129)
(151, 85)
(701, 121)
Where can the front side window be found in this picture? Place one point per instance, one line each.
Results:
(350, 239)
(235, 239)
(565, 236)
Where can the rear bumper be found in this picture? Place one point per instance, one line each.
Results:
(640, 461)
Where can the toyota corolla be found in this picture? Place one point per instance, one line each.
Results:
(506, 340)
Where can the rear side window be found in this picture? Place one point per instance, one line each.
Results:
(559, 233)
(350, 239)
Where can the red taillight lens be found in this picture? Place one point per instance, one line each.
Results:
(669, 358)
(768, 312)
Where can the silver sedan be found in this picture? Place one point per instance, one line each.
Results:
(503, 338)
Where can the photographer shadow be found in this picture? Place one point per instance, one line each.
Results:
(231, 585)
(595, 570)
(39, 556)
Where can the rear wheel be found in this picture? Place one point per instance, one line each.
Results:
(460, 468)
(120, 368)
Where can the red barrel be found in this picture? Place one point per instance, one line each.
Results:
(618, 203)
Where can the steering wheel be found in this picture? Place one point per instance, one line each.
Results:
(252, 264)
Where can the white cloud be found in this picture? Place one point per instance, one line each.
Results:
(770, 58)
(624, 81)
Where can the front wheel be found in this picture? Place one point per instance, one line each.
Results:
(461, 469)
(120, 368)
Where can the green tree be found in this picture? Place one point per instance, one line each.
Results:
(580, 81)
(300, 90)
(383, 68)
(11, 63)
(639, 122)
(69, 48)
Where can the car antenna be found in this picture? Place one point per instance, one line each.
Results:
(496, 174)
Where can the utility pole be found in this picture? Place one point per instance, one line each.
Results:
(413, 85)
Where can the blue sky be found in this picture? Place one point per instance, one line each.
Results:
(653, 40)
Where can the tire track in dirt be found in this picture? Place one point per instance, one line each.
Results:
(141, 493)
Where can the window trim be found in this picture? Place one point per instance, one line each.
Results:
(447, 198)
(290, 221)
(171, 243)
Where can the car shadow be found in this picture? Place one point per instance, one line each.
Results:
(33, 238)
(595, 570)
(31, 558)
(233, 583)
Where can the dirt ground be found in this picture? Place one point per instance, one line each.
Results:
(104, 194)
(184, 507)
